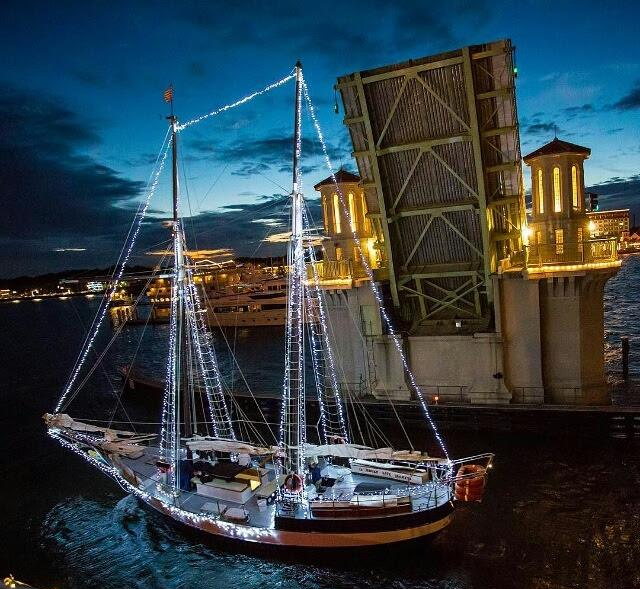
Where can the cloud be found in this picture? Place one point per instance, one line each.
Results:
(337, 33)
(257, 156)
(629, 101)
(572, 112)
(51, 191)
(248, 228)
(618, 192)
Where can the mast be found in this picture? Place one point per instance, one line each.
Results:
(181, 376)
(293, 426)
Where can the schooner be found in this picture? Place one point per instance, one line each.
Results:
(211, 468)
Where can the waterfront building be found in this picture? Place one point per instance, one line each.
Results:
(490, 310)
(613, 223)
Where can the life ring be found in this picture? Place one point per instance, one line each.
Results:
(469, 483)
(293, 483)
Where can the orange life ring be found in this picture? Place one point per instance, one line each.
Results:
(469, 482)
(293, 483)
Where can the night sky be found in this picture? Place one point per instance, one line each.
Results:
(83, 115)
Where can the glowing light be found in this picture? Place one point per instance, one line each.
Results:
(237, 103)
(557, 193)
(540, 193)
(319, 350)
(592, 227)
(527, 232)
(376, 292)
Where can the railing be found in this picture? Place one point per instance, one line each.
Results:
(337, 270)
(594, 251)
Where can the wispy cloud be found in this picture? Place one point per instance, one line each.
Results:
(629, 101)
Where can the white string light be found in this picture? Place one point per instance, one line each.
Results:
(221, 418)
(374, 287)
(168, 432)
(244, 100)
(109, 296)
(326, 349)
(188, 517)
(292, 436)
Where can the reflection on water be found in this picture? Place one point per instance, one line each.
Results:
(556, 515)
(622, 317)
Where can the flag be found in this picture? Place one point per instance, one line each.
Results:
(168, 94)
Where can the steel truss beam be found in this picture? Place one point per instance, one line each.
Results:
(474, 93)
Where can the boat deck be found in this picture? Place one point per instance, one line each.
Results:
(145, 472)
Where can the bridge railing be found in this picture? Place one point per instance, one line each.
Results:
(337, 270)
(591, 251)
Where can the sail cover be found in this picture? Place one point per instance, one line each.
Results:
(364, 452)
(230, 446)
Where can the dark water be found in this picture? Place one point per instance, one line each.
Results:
(559, 512)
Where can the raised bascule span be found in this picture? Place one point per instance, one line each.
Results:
(339, 485)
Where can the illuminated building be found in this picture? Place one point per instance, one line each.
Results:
(552, 317)
(494, 311)
(614, 223)
(341, 259)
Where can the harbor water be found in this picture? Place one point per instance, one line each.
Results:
(560, 511)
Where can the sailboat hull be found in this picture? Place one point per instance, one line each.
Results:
(316, 539)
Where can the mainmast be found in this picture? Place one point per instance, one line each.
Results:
(182, 396)
(178, 406)
(293, 426)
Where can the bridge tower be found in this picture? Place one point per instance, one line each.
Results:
(552, 291)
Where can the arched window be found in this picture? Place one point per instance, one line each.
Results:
(352, 212)
(574, 187)
(366, 222)
(557, 194)
(540, 193)
(336, 214)
(325, 213)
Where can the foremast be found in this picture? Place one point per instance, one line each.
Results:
(191, 360)
(293, 420)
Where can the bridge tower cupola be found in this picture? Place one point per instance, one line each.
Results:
(557, 180)
(339, 226)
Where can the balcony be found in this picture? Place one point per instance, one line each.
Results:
(564, 257)
(342, 271)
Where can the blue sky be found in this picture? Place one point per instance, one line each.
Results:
(83, 110)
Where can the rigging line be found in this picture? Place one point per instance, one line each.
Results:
(111, 387)
(235, 361)
(109, 296)
(186, 190)
(131, 226)
(211, 187)
(376, 292)
(272, 181)
(357, 329)
(255, 251)
(135, 354)
(115, 267)
(240, 102)
(104, 352)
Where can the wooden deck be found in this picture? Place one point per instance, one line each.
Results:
(145, 471)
